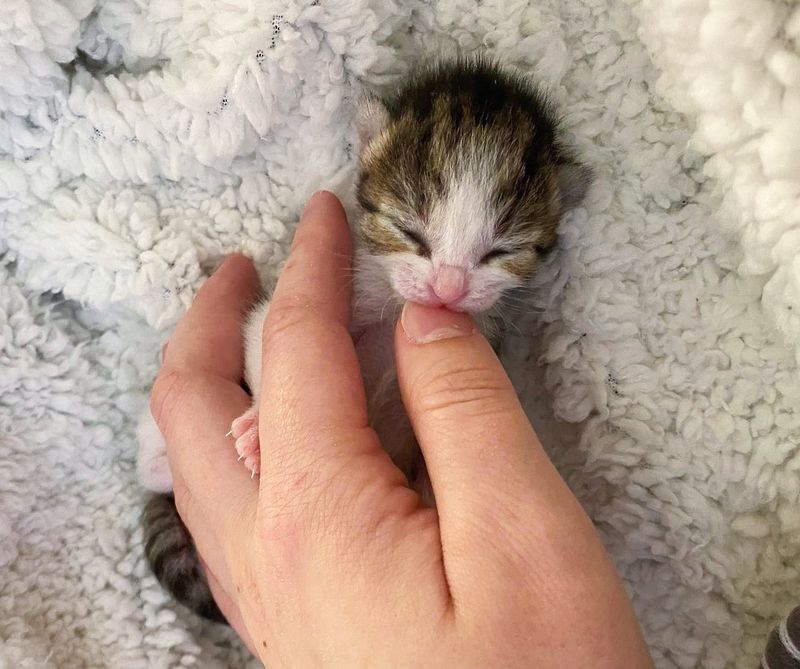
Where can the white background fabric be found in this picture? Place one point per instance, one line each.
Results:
(663, 377)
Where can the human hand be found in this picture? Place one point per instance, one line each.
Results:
(329, 559)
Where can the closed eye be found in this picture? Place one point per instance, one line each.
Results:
(422, 248)
(494, 254)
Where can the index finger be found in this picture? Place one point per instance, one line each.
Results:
(195, 398)
(208, 338)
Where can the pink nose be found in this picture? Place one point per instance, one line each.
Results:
(449, 283)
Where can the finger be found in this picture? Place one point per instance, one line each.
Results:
(311, 379)
(490, 476)
(209, 337)
(228, 607)
(478, 445)
(307, 342)
(214, 494)
(194, 400)
(325, 481)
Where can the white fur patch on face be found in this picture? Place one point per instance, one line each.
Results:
(460, 226)
(460, 232)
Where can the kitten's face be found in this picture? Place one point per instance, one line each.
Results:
(457, 212)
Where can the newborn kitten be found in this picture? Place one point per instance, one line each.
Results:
(461, 185)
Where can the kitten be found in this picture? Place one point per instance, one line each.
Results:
(462, 181)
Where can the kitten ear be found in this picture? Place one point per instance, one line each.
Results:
(371, 119)
(574, 180)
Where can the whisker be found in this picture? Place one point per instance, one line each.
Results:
(385, 304)
(521, 305)
(510, 324)
(357, 302)
(346, 256)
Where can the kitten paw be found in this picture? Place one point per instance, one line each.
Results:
(245, 431)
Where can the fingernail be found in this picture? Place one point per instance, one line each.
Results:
(423, 325)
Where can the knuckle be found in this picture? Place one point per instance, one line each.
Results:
(187, 506)
(294, 497)
(167, 396)
(183, 501)
(287, 318)
(314, 504)
(327, 517)
(465, 391)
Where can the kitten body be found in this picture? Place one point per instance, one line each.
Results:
(462, 181)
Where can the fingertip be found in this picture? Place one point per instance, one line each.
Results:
(423, 325)
(321, 200)
(325, 220)
(236, 277)
(237, 265)
(213, 322)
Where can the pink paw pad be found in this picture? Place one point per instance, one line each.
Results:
(245, 431)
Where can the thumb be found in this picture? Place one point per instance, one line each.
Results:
(500, 500)
(471, 428)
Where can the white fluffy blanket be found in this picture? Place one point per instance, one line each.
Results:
(142, 139)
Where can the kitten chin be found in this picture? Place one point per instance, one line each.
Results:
(464, 168)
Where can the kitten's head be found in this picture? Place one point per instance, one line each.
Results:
(462, 184)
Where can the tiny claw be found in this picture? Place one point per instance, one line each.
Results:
(239, 459)
(230, 432)
(252, 473)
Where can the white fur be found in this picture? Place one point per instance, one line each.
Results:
(412, 276)
(152, 465)
(460, 226)
(252, 347)
(371, 120)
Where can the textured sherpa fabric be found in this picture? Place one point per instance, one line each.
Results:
(140, 140)
(734, 67)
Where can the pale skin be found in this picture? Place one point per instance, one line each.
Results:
(328, 559)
